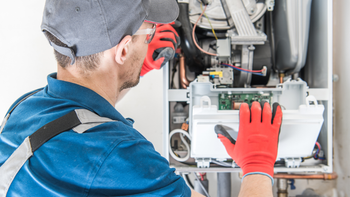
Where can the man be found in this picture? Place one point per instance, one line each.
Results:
(100, 47)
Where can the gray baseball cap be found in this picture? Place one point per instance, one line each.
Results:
(92, 26)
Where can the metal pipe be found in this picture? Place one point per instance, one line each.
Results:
(331, 176)
(183, 79)
(224, 184)
(282, 186)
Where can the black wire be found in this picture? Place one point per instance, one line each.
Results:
(273, 48)
(189, 181)
(213, 47)
(201, 185)
(173, 75)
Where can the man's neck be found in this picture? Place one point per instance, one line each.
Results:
(103, 84)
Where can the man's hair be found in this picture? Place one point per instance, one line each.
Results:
(87, 63)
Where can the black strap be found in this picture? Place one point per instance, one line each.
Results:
(53, 128)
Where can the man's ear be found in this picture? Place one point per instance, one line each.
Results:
(122, 49)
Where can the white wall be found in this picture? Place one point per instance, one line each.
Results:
(26, 59)
(25, 56)
(144, 104)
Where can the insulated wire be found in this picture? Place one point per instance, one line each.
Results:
(185, 142)
(273, 48)
(308, 157)
(194, 38)
(188, 181)
(212, 28)
(318, 151)
(202, 186)
(172, 154)
(254, 72)
(222, 163)
(173, 75)
(318, 145)
(315, 156)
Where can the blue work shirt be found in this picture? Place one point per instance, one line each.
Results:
(112, 159)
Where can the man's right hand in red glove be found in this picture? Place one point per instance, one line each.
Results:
(255, 149)
(161, 49)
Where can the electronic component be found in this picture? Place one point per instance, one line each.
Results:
(219, 76)
(225, 101)
(230, 101)
(179, 116)
(224, 49)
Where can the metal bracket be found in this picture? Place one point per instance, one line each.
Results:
(293, 162)
(246, 63)
(238, 17)
(183, 1)
(178, 95)
(270, 4)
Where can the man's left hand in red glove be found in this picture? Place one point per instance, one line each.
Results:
(161, 49)
(255, 150)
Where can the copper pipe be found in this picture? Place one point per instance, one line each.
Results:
(183, 79)
(331, 176)
(281, 75)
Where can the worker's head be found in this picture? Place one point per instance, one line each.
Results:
(81, 32)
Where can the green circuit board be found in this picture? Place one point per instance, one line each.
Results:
(225, 101)
(233, 101)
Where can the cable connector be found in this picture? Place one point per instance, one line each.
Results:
(264, 71)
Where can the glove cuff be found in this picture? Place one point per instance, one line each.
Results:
(261, 173)
(266, 168)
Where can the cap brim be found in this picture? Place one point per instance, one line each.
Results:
(162, 11)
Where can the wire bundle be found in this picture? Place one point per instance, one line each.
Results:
(254, 72)
(315, 156)
(318, 151)
(223, 164)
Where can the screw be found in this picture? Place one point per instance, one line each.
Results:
(335, 78)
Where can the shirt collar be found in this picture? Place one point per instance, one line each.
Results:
(85, 97)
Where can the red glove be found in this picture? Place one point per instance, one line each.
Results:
(256, 148)
(161, 49)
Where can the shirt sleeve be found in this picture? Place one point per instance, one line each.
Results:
(135, 168)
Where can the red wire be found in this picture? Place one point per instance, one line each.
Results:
(253, 71)
(194, 39)
(318, 145)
